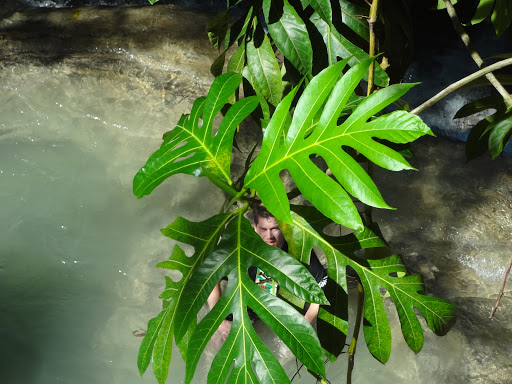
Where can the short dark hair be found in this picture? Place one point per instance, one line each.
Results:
(260, 211)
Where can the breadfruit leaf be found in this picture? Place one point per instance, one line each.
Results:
(389, 273)
(158, 340)
(191, 143)
(327, 94)
(243, 358)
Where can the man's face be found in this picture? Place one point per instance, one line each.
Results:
(269, 231)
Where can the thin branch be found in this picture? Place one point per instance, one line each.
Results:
(459, 84)
(502, 289)
(473, 53)
(371, 22)
(355, 334)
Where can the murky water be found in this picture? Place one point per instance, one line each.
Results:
(77, 249)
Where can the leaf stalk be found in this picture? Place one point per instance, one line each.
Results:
(371, 22)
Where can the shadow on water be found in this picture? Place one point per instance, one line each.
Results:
(63, 239)
(46, 36)
(20, 353)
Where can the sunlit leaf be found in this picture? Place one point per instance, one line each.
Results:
(239, 249)
(158, 340)
(237, 61)
(483, 11)
(289, 33)
(406, 291)
(264, 69)
(326, 140)
(191, 144)
(501, 16)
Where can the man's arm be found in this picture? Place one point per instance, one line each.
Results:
(214, 296)
(312, 312)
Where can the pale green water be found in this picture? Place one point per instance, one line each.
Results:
(77, 249)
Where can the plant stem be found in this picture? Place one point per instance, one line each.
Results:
(473, 53)
(501, 290)
(355, 333)
(459, 84)
(371, 22)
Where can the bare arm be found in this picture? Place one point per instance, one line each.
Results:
(214, 296)
(312, 312)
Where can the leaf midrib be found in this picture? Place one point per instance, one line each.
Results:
(364, 269)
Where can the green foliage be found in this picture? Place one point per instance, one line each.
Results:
(297, 69)
(493, 131)
(326, 140)
(160, 333)
(289, 34)
(500, 12)
(191, 145)
(239, 249)
(389, 273)
(226, 244)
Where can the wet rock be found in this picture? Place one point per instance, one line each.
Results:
(453, 226)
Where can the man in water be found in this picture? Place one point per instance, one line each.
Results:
(266, 226)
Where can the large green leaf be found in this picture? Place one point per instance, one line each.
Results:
(289, 33)
(239, 249)
(389, 273)
(339, 46)
(265, 75)
(326, 140)
(158, 340)
(191, 145)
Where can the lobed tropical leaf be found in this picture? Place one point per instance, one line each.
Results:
(158, 340)
(389, 273)
(289, 33)
(191, 145)
(239, 249)
(328, 95)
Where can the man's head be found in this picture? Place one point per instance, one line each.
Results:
(266, 226)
